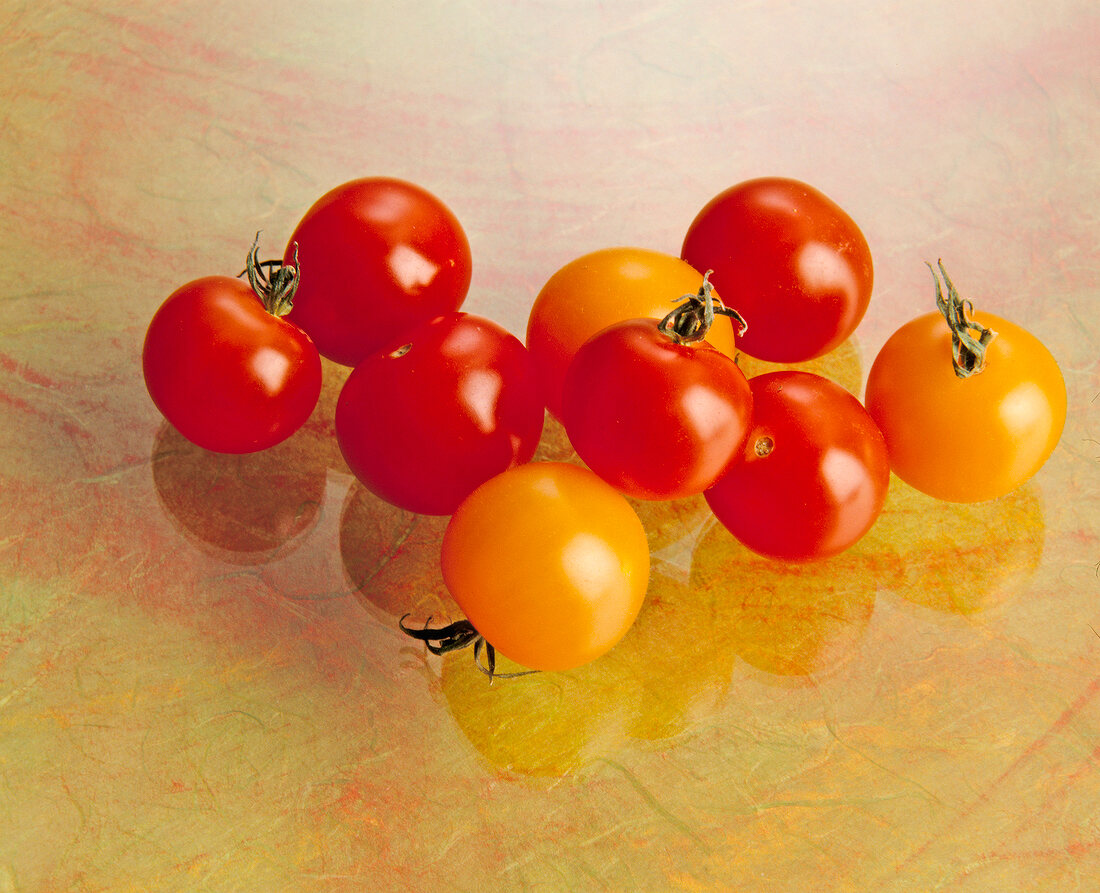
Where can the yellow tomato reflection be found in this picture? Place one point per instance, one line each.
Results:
(543, 724)
(669, 671)
(960, 557)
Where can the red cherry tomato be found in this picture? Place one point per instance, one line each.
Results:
(231, 376)
(966, 438)
(598, 289)
(423, 423)
(791, 261)
(549, 563)
(378, 256)
(654, 418)
(813, 473)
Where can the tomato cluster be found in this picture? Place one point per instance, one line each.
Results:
(636, 353)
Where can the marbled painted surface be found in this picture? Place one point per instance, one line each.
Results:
(202, 686)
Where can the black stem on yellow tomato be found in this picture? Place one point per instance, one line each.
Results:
(967, 351)
(458, 635)
(692, 319)
(274, 282)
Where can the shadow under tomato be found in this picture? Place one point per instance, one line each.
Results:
(789, 620)
(843, 365)
(391, 558)
(254, 507)
(960, 558)
(542, 725)
(248, 509)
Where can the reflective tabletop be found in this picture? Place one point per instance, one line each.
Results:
(203, 684)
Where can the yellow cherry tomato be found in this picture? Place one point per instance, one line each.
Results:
(548, 563)
(973, 438)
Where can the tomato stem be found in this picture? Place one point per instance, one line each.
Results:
(455, 636)
(967, 352)
(692, 320)
(275, 288)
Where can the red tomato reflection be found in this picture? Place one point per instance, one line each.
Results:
(249, 508)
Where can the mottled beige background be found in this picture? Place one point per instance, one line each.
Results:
(202, 686)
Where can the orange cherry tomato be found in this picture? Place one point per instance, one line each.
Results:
(966, 439)
(599, 289)
(548, 563)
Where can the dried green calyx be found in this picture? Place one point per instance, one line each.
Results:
(273, 281)
(969, 339)
(691, 320)
(455, 636)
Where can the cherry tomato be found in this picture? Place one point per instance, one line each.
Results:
(423, 423)
(654, 418)
(601, 288)
(790, 260)
(231, 376)
(966, 439)
(549, 563)
(813, 474)
(378, 257)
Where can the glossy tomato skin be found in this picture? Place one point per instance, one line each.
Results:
(378, 256)
(549, 563)
(598, 289)
(966, 439)
(813, 473)
(426, 421)
(654, 418)
(789, 260)
(230, 376)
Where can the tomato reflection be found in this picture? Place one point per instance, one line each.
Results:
(252, 508)
(249, 508)
(711, 605)
(543, 724)
(391, 558)
(651, 685)
(960, 557)
(788, 619)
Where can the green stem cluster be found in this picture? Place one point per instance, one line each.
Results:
(692, 319)
(273, 281)
(967, 351)
(459, 635)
